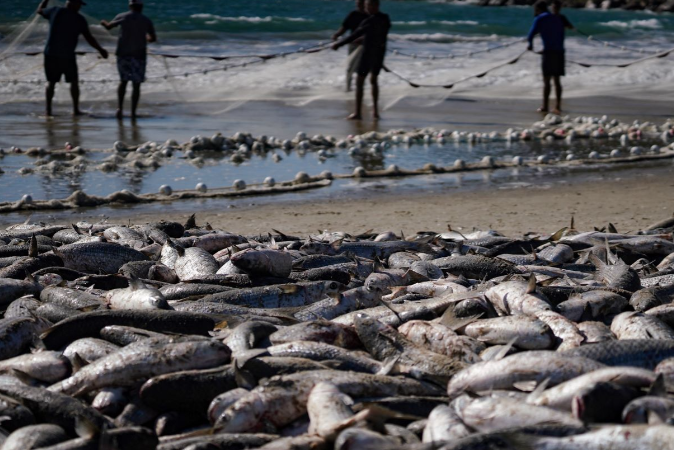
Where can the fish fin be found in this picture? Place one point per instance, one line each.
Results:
(273, 245)
(402, 236)
(37, 345)
(388, 365)
(451, 321)
(415, 277)
(380, 414)
(383, 303)
(208, 227)
(243, 378)
(32, 248)
(598, 263)
(531, 287)
(283, 236)
(612, 228)
(560, 234)
(531, 398)
(134, 283)
(288, 288)
(504, 351)
(378, 266)
(85, 428)
(246, 356)
(77, 362)
(449, 228)
(336, 245)
(22, 376)
(658, 388)
(191, 222)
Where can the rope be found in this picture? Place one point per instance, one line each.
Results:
(462, 80)
(168, 75)
(612, 45)
(662, 54)
(456, 55)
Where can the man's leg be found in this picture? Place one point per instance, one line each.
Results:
(121, 92)
(75, 94)
(546, 94)
(375, 95)
(558, 94)
(135, 98)
(360, 87)
(51, 87)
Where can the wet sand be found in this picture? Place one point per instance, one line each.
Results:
(23, 126)
(630, 199)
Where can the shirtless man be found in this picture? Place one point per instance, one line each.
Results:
(374, 31)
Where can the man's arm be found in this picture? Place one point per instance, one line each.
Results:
(360, 31)
(339, 33)
(533, 32)
(567, 23)
(42, 7)
(151, 34)
(112, 24)
(94, 43)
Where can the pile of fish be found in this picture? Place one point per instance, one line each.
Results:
(178, 336)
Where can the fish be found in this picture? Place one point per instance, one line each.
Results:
(383, 342)
(136, 296)
(278, 296)
(269, 262)
(97, 257)
(143, 360)
(645, 353)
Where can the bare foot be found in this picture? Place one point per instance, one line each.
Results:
(48, 113)
(542, 110)
(354, 117)
(119, 114)
(557, 111)
(77, 112)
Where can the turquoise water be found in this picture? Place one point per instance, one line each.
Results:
(306, 20)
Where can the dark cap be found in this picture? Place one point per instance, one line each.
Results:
(77, 1)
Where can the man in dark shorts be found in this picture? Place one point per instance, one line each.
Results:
(351, 23)
(374, 31)
(551, 29)
(136, 31)
(65, 26)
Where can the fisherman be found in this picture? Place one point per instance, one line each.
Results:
(136, 31)
(551, 28)
(65, 26)
(374, 31)
(351, 23)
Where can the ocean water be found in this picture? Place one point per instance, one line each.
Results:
(429, 30)
(421, 28)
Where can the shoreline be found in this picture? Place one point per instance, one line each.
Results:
(628, 198)
(159, 122)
